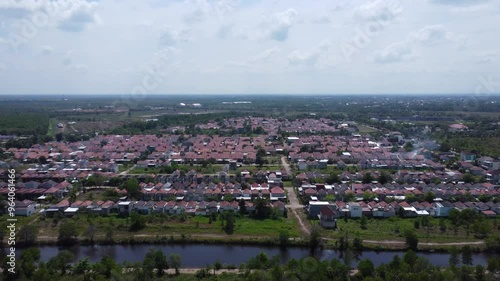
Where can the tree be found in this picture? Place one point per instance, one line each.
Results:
(277, 272)
(410, 258)
(42, 160)
(108, 234)
(411, 239)
(408, 146)
(228, 222)
(138, 221)
(106, 266)
(68, 232)
(479, 273)
(91, 231)
(217, 266)
(429, 197)
(28, 259)
(366, 267)
(283, 238)
(314, 238)
(481, 228)
(493, 265)
(384, 178)
(329, 198)
(357, 244)
(132, 187)
(175, 262)
(468, 178)
(243, 208)
(454, 216)
(368, 196)
(27, 235)
(60, 263)
(467, 255)
(442, 225)
(454, 260)
(155, 259)
(362, 222)
(466, 217)
(367, 178)
(82, 267)
(72, 197)
(332, 178)
(59, 137)
(259, 158)
(262, 209)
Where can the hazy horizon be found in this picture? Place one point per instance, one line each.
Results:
(236, 47)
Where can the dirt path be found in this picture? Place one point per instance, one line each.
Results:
(294, 203)
(194, 270)
(286, 166)
(124, 173)
(425, 243)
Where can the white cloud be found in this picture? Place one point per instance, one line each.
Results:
(81, 68)
(310, 57)
(47, 50)
(240, 46)
(321, 20)
(68, 58)
(170, 37)
(196, 16)
(487, 57)
(230, 31)
(459, 2)
(69, 64)
(264, 55)
(68, 15)
(78, 15)
(396, 52)
(432, 34)
(470, 8)
(278, 25)
(378, 10)
(19, 9)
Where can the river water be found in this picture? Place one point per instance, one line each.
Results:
(198, 255)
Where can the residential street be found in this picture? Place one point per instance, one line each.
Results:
(294, 203)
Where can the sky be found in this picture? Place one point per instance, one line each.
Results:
(143, 47)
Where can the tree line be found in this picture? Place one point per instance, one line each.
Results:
(155, 264)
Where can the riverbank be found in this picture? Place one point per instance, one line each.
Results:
(245, 240)
(231, 256)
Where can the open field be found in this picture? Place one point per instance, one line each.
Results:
(166, 226)
(392, 229)
(366, 129)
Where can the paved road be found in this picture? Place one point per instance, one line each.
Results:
(294, 203)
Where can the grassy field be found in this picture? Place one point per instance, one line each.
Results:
(392, 229)
(50, 130)
(14, 122)
(166, 226)
(366, 130)
(485, 146)
(255, 169)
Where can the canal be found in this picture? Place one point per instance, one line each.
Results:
(198, 255)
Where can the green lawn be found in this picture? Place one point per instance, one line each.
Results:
(393, 228)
